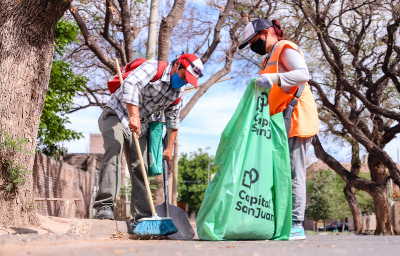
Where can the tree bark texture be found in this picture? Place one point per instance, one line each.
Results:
(382, 211)
(359, 100)
(126, 29)
(350, 192)
(350, 195)
(376, 187)
(380, 196)
(164, 39)
(167, 26)
(26, 54)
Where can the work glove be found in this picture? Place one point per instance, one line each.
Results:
(264, 81)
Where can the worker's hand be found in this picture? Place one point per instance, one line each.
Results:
(167, 155)
(264, 81)
(134, 124)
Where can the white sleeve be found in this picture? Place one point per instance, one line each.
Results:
(297, 68)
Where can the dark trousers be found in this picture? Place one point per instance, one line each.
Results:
(116, 138)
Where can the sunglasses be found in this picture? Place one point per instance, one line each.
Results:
(196, 69)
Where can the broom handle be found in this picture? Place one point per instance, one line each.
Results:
(146, 183)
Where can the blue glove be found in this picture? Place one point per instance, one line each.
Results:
(264, 81)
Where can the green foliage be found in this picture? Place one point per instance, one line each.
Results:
(327, 199)
(366, 202)
(16, 175)
(8, 142)
(364, 199)
(66, 32)
(53, 150)
(127, 190)
(322, 196)
(63, 86)
(341, 208)
(32, 205)
(192, 178)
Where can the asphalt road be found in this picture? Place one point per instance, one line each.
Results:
(314, 245)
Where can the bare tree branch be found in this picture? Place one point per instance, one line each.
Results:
(348, 177)
(126, 29)
(167, 26)
(217, 31)
(91, 42)
(106, 35)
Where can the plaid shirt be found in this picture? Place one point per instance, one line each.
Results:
(151, 97)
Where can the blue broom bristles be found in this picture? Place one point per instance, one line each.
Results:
(155, 226)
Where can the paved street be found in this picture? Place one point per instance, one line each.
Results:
(314, 245)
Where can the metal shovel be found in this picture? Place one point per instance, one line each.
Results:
(178, 215)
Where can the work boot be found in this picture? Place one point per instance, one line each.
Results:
(105, 213)
(297, 232)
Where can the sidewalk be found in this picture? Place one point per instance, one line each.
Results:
(58, 236)
(55, 230)
(315, 245)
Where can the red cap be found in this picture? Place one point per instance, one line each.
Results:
(193, 66)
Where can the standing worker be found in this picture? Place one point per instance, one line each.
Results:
(149, 88)
(285, 72)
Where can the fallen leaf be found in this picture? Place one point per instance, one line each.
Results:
(199, 245)
(118, 252)
(229, 246)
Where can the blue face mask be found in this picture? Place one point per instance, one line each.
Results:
(177, 81)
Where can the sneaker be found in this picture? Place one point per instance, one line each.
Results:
(133, 225)
(105, 213)
(297, 232)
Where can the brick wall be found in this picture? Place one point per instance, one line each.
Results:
(55, 179)
(96, 143)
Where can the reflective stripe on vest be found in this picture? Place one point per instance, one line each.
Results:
(304, 120)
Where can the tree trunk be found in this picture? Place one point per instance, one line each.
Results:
(167, 26)
(324, 225)
(380, 197)
(344, 224)
(349, 192)
(383, 218)
(376, 188)
(26, 53)
(164, 39)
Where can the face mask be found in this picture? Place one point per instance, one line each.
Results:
(177, 82)
(259, 46)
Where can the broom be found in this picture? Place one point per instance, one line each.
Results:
(154, 225)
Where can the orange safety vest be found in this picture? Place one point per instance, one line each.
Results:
(304, 120)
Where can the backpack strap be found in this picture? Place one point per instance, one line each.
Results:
(287, 113)
(176, 102)
(297, 95)
(162, 65)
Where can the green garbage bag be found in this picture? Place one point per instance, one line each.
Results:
(250, 197)
(155, 148)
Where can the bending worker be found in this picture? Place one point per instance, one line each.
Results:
(285, 72)
(149, 88)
